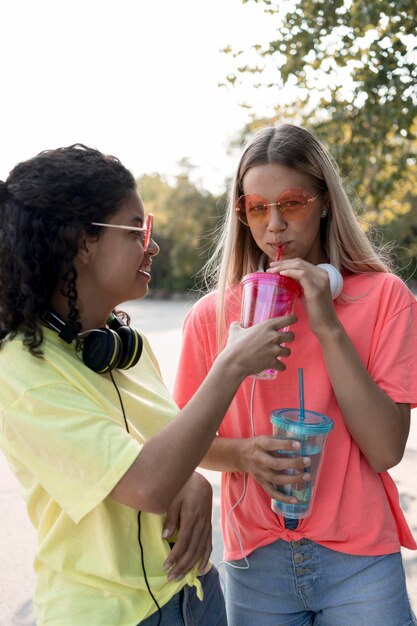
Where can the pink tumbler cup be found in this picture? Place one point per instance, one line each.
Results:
(264, 296)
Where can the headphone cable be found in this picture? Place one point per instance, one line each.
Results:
(144, 572)
(120, 400)
(142, 557)
(242, 495)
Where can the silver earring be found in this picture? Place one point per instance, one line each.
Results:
(324, 213)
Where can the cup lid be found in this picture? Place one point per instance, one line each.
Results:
(314, 423)
(283, 282)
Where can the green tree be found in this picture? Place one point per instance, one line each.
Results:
(403, 231)
(185, 221)
(351, 66)
(350, 69)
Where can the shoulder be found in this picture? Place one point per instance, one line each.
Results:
(204, 309)
(205, 304)
(380, 300)
(380, 286)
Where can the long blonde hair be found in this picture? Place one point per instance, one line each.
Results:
(345, 244)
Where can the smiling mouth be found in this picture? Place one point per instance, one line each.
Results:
(145, 269)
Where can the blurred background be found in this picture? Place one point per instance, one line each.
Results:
(173, 89)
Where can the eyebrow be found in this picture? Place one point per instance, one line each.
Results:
(137, 219)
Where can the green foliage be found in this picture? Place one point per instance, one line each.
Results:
(351, 67)
(185, 218)
(403, 231)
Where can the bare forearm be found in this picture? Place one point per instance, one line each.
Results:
(186, 433)
(378, 425)
(224, 455)
(168, 459)
(180, 446)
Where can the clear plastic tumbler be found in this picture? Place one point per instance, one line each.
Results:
(312, 433)
(264, 296)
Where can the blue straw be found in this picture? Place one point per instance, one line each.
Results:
(301, 392)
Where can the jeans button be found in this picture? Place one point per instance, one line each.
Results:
(300, 571)
(298, 558)
(296, 544)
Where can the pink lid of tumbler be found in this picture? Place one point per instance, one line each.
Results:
(265, 278)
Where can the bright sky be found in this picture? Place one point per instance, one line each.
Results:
(134, 78)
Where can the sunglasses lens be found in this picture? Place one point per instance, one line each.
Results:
(296, 204)
(148, 233)
(295, 210)
(253, 209)
(293, 205)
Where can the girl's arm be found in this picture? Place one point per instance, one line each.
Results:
(254, 456)
(378, 425)
(168, 459)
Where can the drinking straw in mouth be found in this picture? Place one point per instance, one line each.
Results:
(279, 252)
(301, 392)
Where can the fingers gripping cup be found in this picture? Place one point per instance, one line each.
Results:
(265, 296)
(312, 433)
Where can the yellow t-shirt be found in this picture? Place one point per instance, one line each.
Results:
(63, 434)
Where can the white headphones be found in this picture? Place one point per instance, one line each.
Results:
(336, 279)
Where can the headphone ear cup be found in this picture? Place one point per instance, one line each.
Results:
(102, 350)
(132, 345)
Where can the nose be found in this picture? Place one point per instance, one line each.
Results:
(276, 220)
(153, 248)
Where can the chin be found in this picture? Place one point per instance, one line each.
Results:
(142, 293)
(138, 295)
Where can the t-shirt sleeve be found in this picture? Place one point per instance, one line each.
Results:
(194, 362)
(393, 357)
(72, 448)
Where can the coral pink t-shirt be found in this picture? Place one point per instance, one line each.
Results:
(355, 510)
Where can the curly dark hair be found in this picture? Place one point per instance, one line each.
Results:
(45, 205)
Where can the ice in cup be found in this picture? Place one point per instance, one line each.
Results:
(266, 295)
(311, 432)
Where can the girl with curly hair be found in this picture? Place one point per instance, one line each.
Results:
(123, 522)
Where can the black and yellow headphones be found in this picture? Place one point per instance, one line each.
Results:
(103, 349)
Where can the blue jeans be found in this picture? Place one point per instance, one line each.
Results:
(185, 609)
(301, 583)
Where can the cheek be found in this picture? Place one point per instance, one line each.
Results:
(136, 254)
(258, 234)
(128, 255)
(117, 262)
(312, 229)
(307, 237)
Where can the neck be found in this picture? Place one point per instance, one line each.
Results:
(90, 317)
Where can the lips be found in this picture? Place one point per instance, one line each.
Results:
(145, 268)
(282, 244)
(146, 265)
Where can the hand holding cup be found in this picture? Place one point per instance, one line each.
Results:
(259, 347)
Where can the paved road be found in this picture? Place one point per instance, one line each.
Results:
(17, 539)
